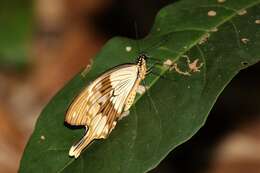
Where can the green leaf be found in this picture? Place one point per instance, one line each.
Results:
(15, 33)
(141, 140)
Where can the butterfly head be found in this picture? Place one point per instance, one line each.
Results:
(141, 62)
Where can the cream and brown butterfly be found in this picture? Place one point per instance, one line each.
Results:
(105, 101)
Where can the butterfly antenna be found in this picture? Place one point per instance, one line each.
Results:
(137, 37)
(157, 44)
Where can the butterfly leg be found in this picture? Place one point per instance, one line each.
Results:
(141, 89)
(113, 126)
(124, 114)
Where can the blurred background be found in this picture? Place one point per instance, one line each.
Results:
(44, 43)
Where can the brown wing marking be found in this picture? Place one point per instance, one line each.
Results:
(85, 105)
(76, 108)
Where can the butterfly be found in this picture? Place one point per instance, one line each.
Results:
(106, 100)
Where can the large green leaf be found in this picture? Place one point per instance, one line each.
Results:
(178, 104)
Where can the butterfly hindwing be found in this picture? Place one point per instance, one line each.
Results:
(113, 86)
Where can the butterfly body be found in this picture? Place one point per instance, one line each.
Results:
(101, 104)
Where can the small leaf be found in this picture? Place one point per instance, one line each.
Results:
(178, 104)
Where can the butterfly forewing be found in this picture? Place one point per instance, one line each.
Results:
(113, 86)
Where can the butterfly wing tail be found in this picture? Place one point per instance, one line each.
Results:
(98, 129)
(77, 148)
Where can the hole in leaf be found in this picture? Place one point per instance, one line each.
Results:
(245, 63)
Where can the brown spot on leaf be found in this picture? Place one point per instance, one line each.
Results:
(245, 40)
(242, 12)
(212, 13)
(257, 21)
(42, 137)
(168, 63)
(221, 1)
(214, 30)
(86, 69)
(195, 66)
(176, 68)
(204, 38)
(128, 48)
